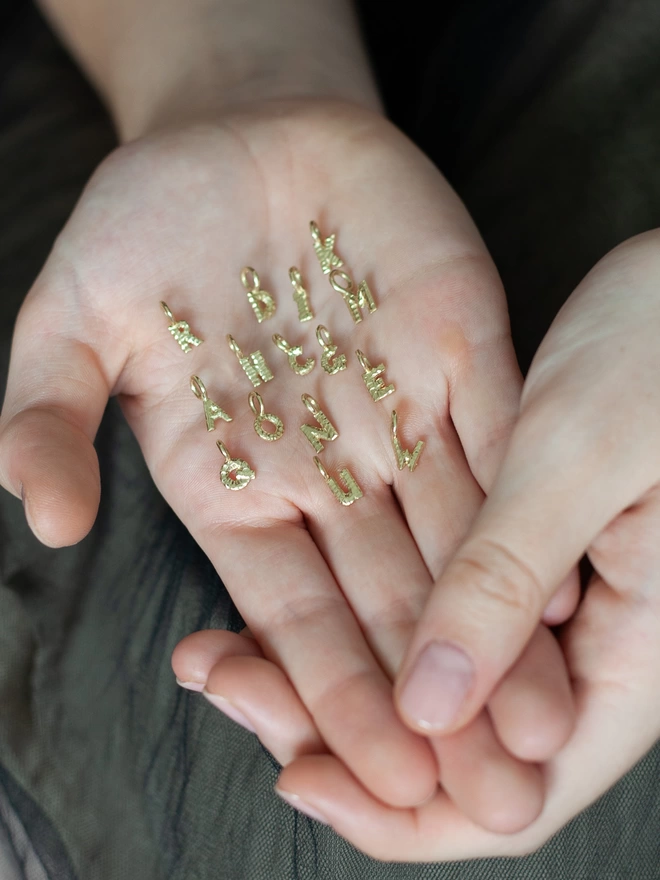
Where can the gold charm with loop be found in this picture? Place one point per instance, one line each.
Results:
(235, 473)
(255, 366)
(330, 361)
(324, 249)
(261, 301)
(326, 431)
(181, 331)
(356, 300)
(293, 352)
(300, 296)
(404, 458)
(345, 497)
(257, 406)
(211, 410)
(375, 385)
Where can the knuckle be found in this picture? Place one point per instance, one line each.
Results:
(504, 578)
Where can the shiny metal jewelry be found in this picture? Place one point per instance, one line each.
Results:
(404, 458)
(372, 378)
(255, 366)
(181, 331)
(293, 352)
(356, 300)
(330, 361)
(235, 473)
(212, 411)
(261, 416)
(325, 431)
(262, 302)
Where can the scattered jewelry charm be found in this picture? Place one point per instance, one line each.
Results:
(300, 296)
(326, 431)
(404, 458)
(257, 406)
(293, 352)
(211, 410)
(255, 366)
(261, 301)
(181, 332)
(330, 361)
(356, 300)
(324, 249)
(235, 473)
(375, 385)
(344, 497)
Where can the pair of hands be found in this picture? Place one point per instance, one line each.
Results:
(341, 601)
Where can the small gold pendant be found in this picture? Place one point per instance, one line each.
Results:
(326, 431)
(355, 300)
(404, 458)
(375, 385)
(300, 296)
(293, 352)
(263, 304)
(181, 331)
(212, 411)
(255, 366)
(330, 361)
(324, 249)
(257, 406)
(235, 473)
(345, 497)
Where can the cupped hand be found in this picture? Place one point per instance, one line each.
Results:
(581, 475)
(331, 593)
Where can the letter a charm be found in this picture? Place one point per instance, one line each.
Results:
(181, 331)
(372, 378)
(211, 410)
(326, 431)
(344, 497)
(404, 458)
(263, 304)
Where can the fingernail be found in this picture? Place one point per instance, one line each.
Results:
(229, 709)
(196, 686)
(302, 806)
(437, 686)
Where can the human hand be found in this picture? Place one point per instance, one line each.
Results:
(163, 219)
(580, 475)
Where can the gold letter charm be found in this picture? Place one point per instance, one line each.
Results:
(262, 302)
(355, 300)
(211, 410)
(330, 361)
(346, 498)
(257, 406)
(235, 473)
(375, 385)
(325, 249)
(180, 330)
(256, 368)
(300, 296)
(293, 352)
(404, 458)
(327, 431)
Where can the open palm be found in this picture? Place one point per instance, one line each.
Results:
(331, 593)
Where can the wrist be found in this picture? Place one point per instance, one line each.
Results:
(159, 63)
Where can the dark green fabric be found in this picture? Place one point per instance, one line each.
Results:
(546, 117)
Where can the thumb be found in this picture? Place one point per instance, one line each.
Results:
(561, 482)
(55, 398)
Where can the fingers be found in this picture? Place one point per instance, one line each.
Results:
(303, 624)
(546, 506)
(532, 708)
(263, 696)
(56, 394)
(565, 600)
(441, 499)
(375, 561)
(196, 655)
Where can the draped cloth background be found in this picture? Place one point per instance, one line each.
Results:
(545, 116)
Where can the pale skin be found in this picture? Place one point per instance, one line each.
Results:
(209, 180)
(581, 475)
